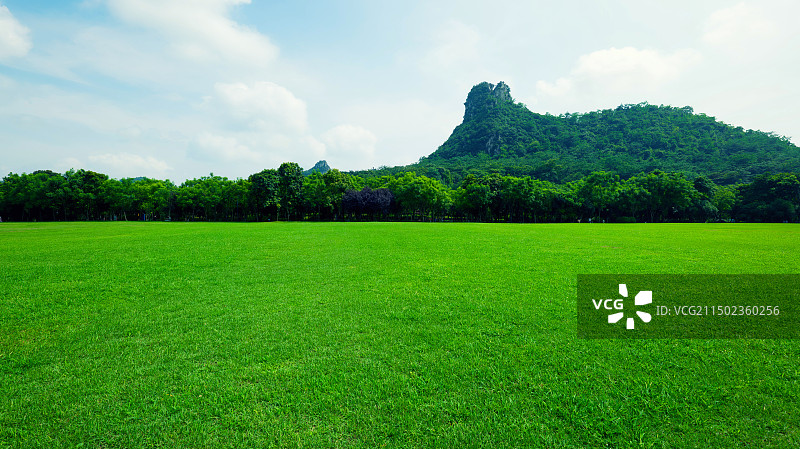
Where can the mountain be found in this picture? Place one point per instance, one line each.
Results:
(500, 135)
(322, 167)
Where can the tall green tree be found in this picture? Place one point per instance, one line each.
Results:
(420, 196)
(668, 194)
(597, 192)
(85, 189)
(769, 198)
(265, 193)
(315, 195)
(472, 198)
(290, 187)
(336, 184)
(235, 199)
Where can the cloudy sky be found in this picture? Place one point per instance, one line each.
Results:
(177, 89)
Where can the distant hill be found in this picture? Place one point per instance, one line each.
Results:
(322, 167)
(500, 135)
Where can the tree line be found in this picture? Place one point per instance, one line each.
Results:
(286, 194)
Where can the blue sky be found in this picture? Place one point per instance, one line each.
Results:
(177, 89)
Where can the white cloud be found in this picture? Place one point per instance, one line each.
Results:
(130, 164)
(617, 75)
(561, 87)
(307, 150)
(78, 110)
(67, 130)
(456, 54)
(68, 163)
(755, 36)
(109, 52)
(350, 142)
(6, 83)
(256, 123)
(130, 132)
(214, 148)
(736, 25)
(417, 127)
(455, 44)
(620, 68)
(14, 37)
(263, 105)
(200, 30)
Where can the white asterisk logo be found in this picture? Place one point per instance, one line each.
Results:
(641, 299)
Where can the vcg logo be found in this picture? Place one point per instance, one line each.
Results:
(641, 299)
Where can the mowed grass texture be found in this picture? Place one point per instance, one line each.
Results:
(129, 335)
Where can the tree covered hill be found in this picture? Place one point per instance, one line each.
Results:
(501, 135)
(322, 167)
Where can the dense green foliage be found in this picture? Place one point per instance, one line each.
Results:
(287, 195)
(365, 335)
(503, 163)
(499, 135)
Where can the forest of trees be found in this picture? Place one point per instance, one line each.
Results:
(504, 163)
(287, 194)
(499, 135)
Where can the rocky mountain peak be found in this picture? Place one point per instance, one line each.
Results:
(485, 96)
(322, 167)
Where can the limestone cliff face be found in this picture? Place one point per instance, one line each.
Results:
(484, 97)
(483, 101)
(322, 167)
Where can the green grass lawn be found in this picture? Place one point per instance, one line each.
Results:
(126, 335)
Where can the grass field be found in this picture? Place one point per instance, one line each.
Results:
(128, 335)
